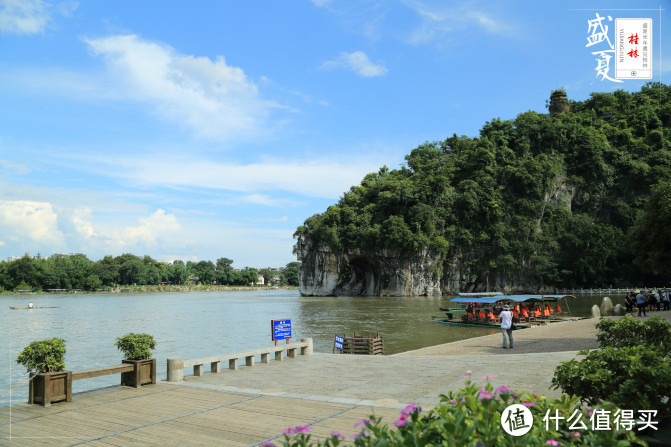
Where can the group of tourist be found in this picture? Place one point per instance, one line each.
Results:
(647, 301)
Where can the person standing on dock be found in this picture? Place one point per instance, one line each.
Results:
(641, 302)
(629, 302)
(507, 325)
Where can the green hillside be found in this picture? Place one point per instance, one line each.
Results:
(561, 199)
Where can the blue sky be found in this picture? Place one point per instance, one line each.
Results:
(213, 129)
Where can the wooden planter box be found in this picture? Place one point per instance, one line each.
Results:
(48, 388)
(144, 373)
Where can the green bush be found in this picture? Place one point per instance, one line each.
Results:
(632, 369)
(631, 331)
(635, 378)
(472, 417)
(23, 286)
(43, 356)
(136, 346)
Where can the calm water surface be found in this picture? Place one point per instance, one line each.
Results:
(199, 324)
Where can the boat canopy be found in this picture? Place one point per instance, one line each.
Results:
(509, 298)
(479, 294)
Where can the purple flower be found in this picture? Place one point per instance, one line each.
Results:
(503, 389)
(485, 395)
(304, 429)
(335, 434)
(363, 422)
(469, 373)
(452, 401)
(400, 422)
(528, 404)
(268, 444)
(407, 411)
(576, 434)
(551, 442)
(590, 412)
(489, 377)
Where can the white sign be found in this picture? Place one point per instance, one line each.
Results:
(633, 48)
(517, 420)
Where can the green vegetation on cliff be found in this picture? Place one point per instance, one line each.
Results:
(561, 199)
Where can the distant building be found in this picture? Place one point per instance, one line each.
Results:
(558, 103)
(260, 280)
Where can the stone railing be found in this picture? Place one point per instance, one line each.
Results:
(176, 365)
(606, 291)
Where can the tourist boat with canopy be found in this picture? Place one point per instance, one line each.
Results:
(483, 309)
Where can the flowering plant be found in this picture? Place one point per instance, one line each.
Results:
(472, 416)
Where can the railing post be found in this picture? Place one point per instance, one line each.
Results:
(233, 363)
(308, 350)
(215, 367)
(175, 369)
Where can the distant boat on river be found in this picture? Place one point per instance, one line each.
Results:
(30, 308)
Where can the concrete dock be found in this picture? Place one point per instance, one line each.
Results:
(330, 392)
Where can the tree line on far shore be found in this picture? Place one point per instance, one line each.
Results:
(72, 272)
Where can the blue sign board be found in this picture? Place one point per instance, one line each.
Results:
(338, 342)
(281, 329)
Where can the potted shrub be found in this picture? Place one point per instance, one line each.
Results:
(45, 361)
(136, 349)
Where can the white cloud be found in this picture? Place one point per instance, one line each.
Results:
(13, 167)
(82, 221)
(212, 98)
(29, 16)
(23, 220)
(317, 178)
(439, 20)
(151, 228)
(359, 63)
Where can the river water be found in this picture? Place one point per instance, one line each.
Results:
(200, 324)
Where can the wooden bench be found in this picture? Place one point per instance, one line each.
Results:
(101, 371)
(134, 373)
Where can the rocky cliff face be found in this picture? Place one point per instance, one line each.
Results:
(388, 273)
(325, 273)
(354, 273)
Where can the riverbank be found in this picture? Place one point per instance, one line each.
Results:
(155, 289)
(554, 337)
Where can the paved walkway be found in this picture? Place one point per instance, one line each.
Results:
(330, 392)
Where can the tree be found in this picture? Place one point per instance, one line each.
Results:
(177, 273)
(224, 270)
(92, 282)
(21, 270)
(131, 269)
(107, 270)
(205, 271)
(651, 234)
(291, 273)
